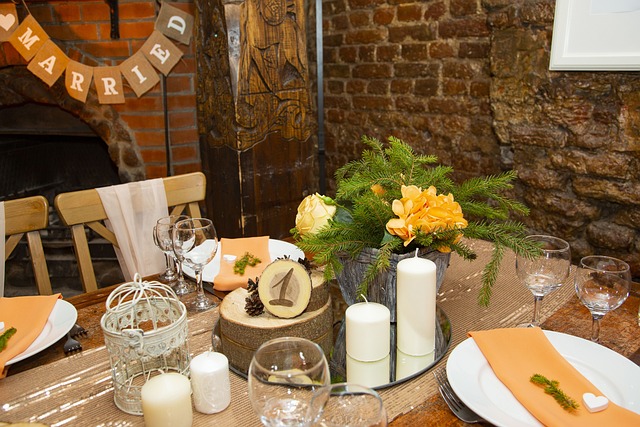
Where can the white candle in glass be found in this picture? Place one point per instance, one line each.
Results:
(416, 306)
(166, 401)
(210, 382)
(368, 331)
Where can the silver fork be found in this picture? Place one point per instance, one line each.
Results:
(77, 330)
(71, 345)
(452, 400)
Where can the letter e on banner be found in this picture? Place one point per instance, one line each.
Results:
(161, 52)
(140, 75)
(28, 38)
(108, 85)
(8, 20)
(175, 23)
(77, 80)
(49, 63)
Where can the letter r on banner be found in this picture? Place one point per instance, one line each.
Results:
(109, 85)
(78, 80)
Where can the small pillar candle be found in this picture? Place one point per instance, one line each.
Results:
(368, 331)
(210, 382)
(166, 401)
(369, 374)
(416, 306)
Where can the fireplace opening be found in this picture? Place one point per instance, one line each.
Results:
(46, 151)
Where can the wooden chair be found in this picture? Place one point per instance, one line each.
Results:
(80, 208)
(27, 216)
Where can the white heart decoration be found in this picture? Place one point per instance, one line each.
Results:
(7, 21)
(595, 403)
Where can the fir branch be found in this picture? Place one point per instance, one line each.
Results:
(551, 388)
(490, 275)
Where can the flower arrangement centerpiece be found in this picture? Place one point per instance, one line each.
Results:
(397, 201)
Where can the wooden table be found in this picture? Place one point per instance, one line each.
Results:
(619, 332)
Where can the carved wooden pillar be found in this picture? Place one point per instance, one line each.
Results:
(255, 123)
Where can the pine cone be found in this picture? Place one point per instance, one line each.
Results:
(252, 286)
(253, 306)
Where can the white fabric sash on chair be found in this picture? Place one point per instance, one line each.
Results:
(132, 210)
(2, 255)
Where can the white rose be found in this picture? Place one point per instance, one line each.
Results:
(314, 213)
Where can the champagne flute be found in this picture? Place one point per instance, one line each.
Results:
(345, 404)
(283, 375)
(164, 235)
(545, 273)
(196, 241)
(602, 285)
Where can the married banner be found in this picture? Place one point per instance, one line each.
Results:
(48, 62)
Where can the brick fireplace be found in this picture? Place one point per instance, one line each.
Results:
(66, 145)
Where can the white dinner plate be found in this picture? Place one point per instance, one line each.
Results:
(473, 380)
(60, 321)
(277, 249)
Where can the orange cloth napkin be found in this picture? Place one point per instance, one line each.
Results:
(29, 316)
(515, 354)
(227, 280)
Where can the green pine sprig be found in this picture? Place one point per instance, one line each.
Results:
(4, 337)
(551, 388)
(241, 264)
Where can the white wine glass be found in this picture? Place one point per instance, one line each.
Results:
(163, 232)
(602, 285)
(545, 273)
(346, 405)
(195, 239)
(283, 375)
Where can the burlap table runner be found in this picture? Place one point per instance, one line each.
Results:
(77, 390)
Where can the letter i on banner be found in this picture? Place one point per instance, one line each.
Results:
(175, 23)
(108, 85)
(140, 75)
(161, 52)
(28, 38)
(77, 80)
(8, 20)
(49, 63)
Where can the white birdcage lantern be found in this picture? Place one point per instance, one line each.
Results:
(145, 332)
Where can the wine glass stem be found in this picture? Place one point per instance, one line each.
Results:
(200, 289)
(537, 303)
(595, 327)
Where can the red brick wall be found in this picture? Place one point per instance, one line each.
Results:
(418, 70)
(82, 29)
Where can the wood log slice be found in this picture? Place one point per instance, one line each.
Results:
(242, 334)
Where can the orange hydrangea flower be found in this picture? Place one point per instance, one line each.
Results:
(425, 210)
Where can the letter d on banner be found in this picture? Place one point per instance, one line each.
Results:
(175, 23)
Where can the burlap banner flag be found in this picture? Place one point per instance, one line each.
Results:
(109, 85)
(49, 63)
(8, 20)
(139, 73)
(175, 23)
(77, 80)
(28, 38)
(161, 52)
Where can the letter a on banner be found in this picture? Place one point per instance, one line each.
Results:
(49, 63)
(161, 52)
(140, 75)
(28, 38)
(175, 23)
(77, 79)
(108, 85)
(8, 20)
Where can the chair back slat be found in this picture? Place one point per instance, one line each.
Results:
(27, 216)
(84, 208)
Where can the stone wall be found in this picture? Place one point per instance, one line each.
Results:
(468, 80)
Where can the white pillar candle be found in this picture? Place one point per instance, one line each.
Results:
(210, 382)
(369, 374)
(166, 401)
(416, 306)
(368, 331)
